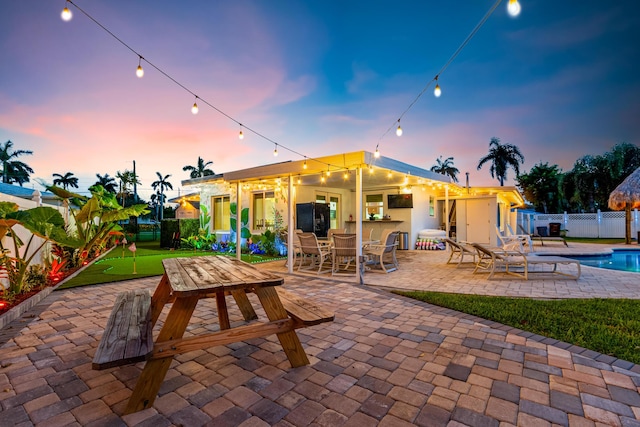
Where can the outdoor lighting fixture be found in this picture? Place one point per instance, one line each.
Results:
(399, 129)
(437, 91)
(304, 166)
(139, 70)
(194, 109)
(371, 169)
(275, 151)
(346, 175)
(513, 8)
(299, 180)
(377, 153)
(66, 14)
(322, 177)
(241, 135)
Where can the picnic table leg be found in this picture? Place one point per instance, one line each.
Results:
(289, 340)
(160, 298)
(223, 313)
(152, 376)
(244, 305)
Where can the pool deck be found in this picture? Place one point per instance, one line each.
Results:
(385, 360)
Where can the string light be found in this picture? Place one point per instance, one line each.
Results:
(275, 151)
(139, 70)
(322, 177)
(194, 109)
(328, 171)
(513, 8)
(299, 180)
(304, 166)
(377, 153)
(399, 129)
(346, 174)
(371, 169)
(66, 14)
(437, 91)
(241, 135)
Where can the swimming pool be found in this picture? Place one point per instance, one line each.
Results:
(620, 259)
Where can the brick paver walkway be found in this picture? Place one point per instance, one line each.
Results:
(385, 360)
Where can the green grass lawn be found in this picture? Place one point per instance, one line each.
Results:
(608, 326)
(118, 264)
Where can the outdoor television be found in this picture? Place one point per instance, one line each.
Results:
(399, 201)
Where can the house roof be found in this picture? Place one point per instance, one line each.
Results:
(338, 171)
(24, 192)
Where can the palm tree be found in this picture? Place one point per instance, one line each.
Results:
(446, 168)
(502, 156)
(14, 170)
(160, 185)
(200, 170)
(107, 182)
(126, 178)
(67, 180)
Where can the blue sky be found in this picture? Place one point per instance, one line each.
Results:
(559, 81)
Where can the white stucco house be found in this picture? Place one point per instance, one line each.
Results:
(356, 185)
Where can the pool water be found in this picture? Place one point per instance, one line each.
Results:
(620, 259)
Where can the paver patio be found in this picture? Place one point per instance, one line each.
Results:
(385, 360)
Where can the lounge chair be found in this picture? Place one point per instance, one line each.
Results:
(316, 253)
(458, 251)
(510, 243)
(489, 260)
(524, 238)
(386, 248)
(343, 253)
(544, 237)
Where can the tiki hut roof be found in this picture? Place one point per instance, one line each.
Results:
(627, 192)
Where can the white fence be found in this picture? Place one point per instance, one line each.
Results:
(596, 225)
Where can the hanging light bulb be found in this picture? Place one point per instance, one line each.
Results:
(513, 8)
(275, 151)
(437, 91)
(399, 129)
(299, 180)
(322, 177)
(194, 109)
(328, 171)
(377, 153)
(241, 135)
(346, 175)
(304, 166)
(66, 14)
(370, 168)
(139, 70)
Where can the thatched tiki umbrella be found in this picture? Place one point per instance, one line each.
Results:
(627, 196)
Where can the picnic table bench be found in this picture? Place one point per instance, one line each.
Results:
(128, 335)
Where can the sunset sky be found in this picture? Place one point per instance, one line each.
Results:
(317, 77)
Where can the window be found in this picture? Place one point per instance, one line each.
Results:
(264, 204)
(374, 205)
(432, 209)
(221, 213)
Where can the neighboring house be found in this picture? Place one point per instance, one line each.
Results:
(188, 206)
(356, 185)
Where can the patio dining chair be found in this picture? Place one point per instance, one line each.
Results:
(317, 254)
(297, 251)
(343, 254)
(386, 249)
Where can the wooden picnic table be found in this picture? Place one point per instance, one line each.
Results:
(128, 335)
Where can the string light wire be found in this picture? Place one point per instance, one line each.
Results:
(204, 101)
